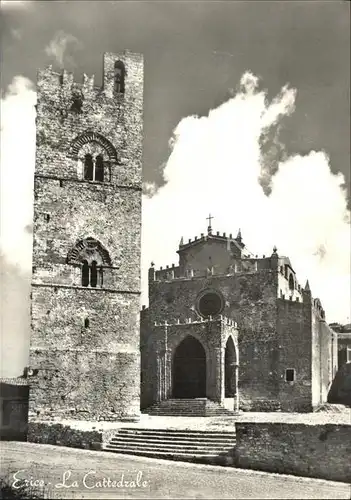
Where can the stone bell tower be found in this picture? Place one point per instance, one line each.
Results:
(84, 350)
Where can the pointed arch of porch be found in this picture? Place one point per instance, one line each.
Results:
(172, 345)
(189, 368)
(235, 342)
(231, 372)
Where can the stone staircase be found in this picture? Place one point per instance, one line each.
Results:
(200, 407)
(211, 447)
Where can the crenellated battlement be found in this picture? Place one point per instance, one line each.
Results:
(220, 319)
(50, 81)
(239, 266)
(64, 80)
(205, 237)
(166, 274)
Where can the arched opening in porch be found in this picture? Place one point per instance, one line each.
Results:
(230, 370)
(189, 369)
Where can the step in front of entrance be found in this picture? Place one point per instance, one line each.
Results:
(172, 444)
(201, 407)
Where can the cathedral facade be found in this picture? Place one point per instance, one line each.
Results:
(85, 298)
(234, 329)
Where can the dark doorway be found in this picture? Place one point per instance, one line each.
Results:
(230, 370)
(189, 370)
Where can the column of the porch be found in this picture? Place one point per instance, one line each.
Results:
(219, 372)
(235, 375)
(167, 374)
(158, 377)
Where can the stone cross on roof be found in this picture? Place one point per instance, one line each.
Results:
(209, 229)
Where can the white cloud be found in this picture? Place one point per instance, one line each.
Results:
(15, 4)
(62, 47)
(16, 34)
(215, 166)
(17, 170)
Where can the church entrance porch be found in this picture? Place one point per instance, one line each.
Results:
(191, 367)
(189, 370)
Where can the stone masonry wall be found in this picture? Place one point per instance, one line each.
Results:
(213, 336)
(78, 210)
(118, 118)
(216, 254)
(250, 299)
(319, 451)
(85, 341)
(324, 362)
(294, 351)
(98, 366)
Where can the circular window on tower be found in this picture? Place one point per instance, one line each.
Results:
(210, 303)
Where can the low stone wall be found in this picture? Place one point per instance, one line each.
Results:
(64, 435)
(315, 450)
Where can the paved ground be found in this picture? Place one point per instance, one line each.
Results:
(150, 478)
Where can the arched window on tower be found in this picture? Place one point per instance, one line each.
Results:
(94, 168)
(92, 258)
(95, 157)
(99, 169)
(85, 273)
(119, 77)
(88, 168)
(291, 282)
(93, 274)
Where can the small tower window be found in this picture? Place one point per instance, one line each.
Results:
(92, 258)
(93, 274)
(101, 276)
(94, 168)
(85, 274)
(86, 323)
(88, 168)
(90, 274)
(119, 77)
(99, 169)
(290, 375)
(77, 102)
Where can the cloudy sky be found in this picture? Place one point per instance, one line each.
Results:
(247, 115)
